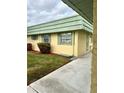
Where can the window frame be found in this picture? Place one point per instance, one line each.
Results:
(49, 38)
(34, 37)
(62, 40)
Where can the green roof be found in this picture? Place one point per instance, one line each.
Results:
(66, 24)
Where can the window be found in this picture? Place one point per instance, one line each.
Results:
(65, 38)
(34, 37)
(46, 38)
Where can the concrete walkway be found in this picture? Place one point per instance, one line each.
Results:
(74, 77)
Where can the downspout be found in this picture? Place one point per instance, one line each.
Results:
(73, 42)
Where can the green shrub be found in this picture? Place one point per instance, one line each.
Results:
(45, 48)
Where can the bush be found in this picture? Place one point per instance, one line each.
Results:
(29, 47)
(44, 48)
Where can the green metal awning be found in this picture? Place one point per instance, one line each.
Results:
(61, 25)
(82, 7)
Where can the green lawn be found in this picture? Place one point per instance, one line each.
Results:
(40, 65)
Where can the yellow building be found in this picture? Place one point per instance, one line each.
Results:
(71, 36)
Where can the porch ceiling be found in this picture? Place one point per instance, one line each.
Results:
(83, 7)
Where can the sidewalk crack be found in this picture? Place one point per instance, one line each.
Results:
(34, 89)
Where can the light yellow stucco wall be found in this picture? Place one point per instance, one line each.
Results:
(55, 47)
(75, 43)
(77, 48)
(61, 49)
(34, 42)
(83, 42)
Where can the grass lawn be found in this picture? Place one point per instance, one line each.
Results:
(39, 65)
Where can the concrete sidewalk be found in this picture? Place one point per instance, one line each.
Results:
(74, 77)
